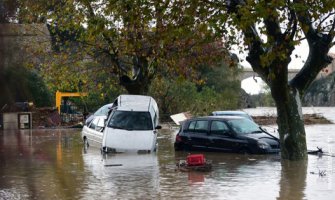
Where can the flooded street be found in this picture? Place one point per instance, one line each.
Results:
(52, 164)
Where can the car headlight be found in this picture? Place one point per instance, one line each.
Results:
(263, 145)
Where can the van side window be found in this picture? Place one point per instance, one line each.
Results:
(219, 128)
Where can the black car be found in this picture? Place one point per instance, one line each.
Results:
(225, 133)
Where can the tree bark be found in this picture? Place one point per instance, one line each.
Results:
(290, 124)
(139, 83)
(135, 86)
(289, 115)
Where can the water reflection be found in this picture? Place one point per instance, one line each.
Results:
(52, 164)
(39, 164)
(293, 180)
(127, 175)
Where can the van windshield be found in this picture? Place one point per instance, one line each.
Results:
(131, 120)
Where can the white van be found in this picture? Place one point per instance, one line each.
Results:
(132, 125)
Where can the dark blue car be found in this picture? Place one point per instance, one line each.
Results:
(225, 133)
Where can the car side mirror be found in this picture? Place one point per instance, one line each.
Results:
(158, 127)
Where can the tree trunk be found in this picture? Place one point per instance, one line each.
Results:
(290, 123)
(141, 80)
(137, 86)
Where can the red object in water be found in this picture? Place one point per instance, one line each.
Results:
(195, 160)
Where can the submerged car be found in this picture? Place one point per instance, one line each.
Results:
(101, 112)
(94, 126)
(232, 113)
(130, 123)
(92, 132)
(225, 133)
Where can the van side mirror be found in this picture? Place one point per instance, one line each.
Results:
(158, 127)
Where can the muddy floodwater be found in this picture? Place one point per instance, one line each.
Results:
(52, 164)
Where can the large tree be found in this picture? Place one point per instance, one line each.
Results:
(269, 31)
(131, 39)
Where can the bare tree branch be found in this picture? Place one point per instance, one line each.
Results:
(331, 31)
(292, 25)
(272, 26)
(319, 45)
(325, 19)
(305, 20)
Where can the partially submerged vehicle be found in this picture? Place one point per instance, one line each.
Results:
(94, 126)
(131, 125)
(92, 132)
(225, 133)
(101, 112)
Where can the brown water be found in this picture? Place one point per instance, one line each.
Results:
(52, 164)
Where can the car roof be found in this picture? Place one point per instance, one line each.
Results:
(229, 112)
(227, 117)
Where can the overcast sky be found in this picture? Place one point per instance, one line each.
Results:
(253, 87)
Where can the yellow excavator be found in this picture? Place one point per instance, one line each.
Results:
(60, 95)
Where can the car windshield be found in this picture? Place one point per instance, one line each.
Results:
(103, 111)
(130, 120)
(244, 126)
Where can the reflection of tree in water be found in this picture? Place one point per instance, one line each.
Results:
(293, 180)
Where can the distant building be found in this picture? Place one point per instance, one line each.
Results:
(329, 69)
